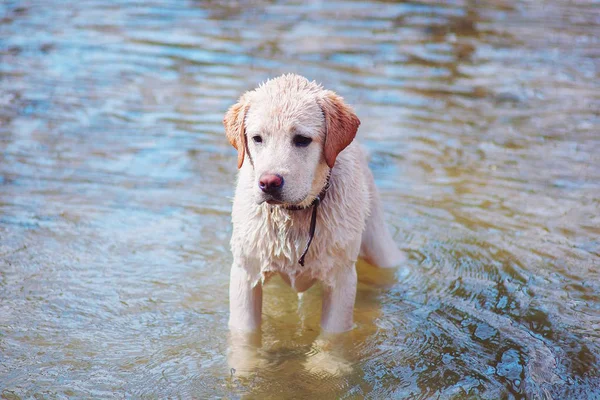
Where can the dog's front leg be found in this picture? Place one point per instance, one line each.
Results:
(245, 300)
(338, 301)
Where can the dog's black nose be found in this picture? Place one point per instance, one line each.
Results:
(270, 183)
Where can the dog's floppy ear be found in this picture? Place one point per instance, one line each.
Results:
(341, 125)
(235, 127)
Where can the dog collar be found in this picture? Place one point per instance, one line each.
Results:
(313, 221)
(320, 197)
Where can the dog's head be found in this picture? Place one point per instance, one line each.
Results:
(290, 131)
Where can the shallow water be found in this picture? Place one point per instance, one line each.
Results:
(116, 180)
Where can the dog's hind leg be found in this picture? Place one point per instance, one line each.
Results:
(378, 247)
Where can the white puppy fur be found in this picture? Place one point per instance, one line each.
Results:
(267, 237)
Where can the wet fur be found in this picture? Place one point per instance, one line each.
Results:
(269, 239)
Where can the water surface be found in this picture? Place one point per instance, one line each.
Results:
(482, 123)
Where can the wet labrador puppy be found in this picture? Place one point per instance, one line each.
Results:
(306, 205)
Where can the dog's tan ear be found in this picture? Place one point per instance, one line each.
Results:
(341, 124)
(235, 127)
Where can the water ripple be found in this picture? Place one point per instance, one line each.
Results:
(116, 183)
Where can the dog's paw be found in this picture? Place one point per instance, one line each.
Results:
(244, 362)
(327, 363)
(244, 356)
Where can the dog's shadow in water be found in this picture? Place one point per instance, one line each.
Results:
(291, 341)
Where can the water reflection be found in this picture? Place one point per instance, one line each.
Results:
(116, 181)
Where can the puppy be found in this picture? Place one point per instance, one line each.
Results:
(306, 205)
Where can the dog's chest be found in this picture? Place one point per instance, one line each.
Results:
(282, 235)
(272, 239)
(269, 239)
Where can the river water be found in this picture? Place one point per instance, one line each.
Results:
(483, 127)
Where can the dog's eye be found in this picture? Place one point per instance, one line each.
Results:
(302, 141)
(257, 139)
